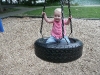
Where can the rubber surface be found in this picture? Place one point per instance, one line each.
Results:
(58, 52)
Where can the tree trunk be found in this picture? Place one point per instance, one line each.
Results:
(6, 2)
(1, 9)
(34, 2)
(18, 1)
(10, 1)
(0, 1)
(24, 1)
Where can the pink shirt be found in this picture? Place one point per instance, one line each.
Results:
(57, 29)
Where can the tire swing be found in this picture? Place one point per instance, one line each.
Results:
(58, 52)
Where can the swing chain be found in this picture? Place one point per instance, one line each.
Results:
(61, 2)
(42, 19)
(70, 17)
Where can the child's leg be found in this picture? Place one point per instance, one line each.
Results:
(51, 39)
(65, 39)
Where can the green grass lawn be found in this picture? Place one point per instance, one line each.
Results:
(77, 12)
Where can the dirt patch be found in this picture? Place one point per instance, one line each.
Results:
(17, 55)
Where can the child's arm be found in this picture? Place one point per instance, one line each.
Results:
(46, 19)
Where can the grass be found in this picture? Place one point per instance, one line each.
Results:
(86, 12)
(77, 12)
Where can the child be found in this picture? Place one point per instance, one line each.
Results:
(56, 33)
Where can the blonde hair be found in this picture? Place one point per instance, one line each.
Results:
(57, 9)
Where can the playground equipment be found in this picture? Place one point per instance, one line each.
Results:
(1, 26)
(58, 52)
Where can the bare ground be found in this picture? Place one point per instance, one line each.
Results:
(17, 55)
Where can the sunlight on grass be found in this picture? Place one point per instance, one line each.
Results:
(77, 12)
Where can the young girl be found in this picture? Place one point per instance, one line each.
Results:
(56, 33)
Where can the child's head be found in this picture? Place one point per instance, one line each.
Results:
(57, 14)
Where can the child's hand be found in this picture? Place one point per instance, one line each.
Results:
(43, 13)
(70, 17)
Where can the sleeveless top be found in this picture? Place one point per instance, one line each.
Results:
(57, 29)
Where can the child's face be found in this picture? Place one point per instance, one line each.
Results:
(57, 16)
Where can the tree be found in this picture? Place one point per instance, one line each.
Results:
(1, 9)
(10, 1)
(19, 1)
(6, 1)
(29, 2)
(52, 1)
(34, 2)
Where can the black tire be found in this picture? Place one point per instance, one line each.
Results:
(58, 52)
